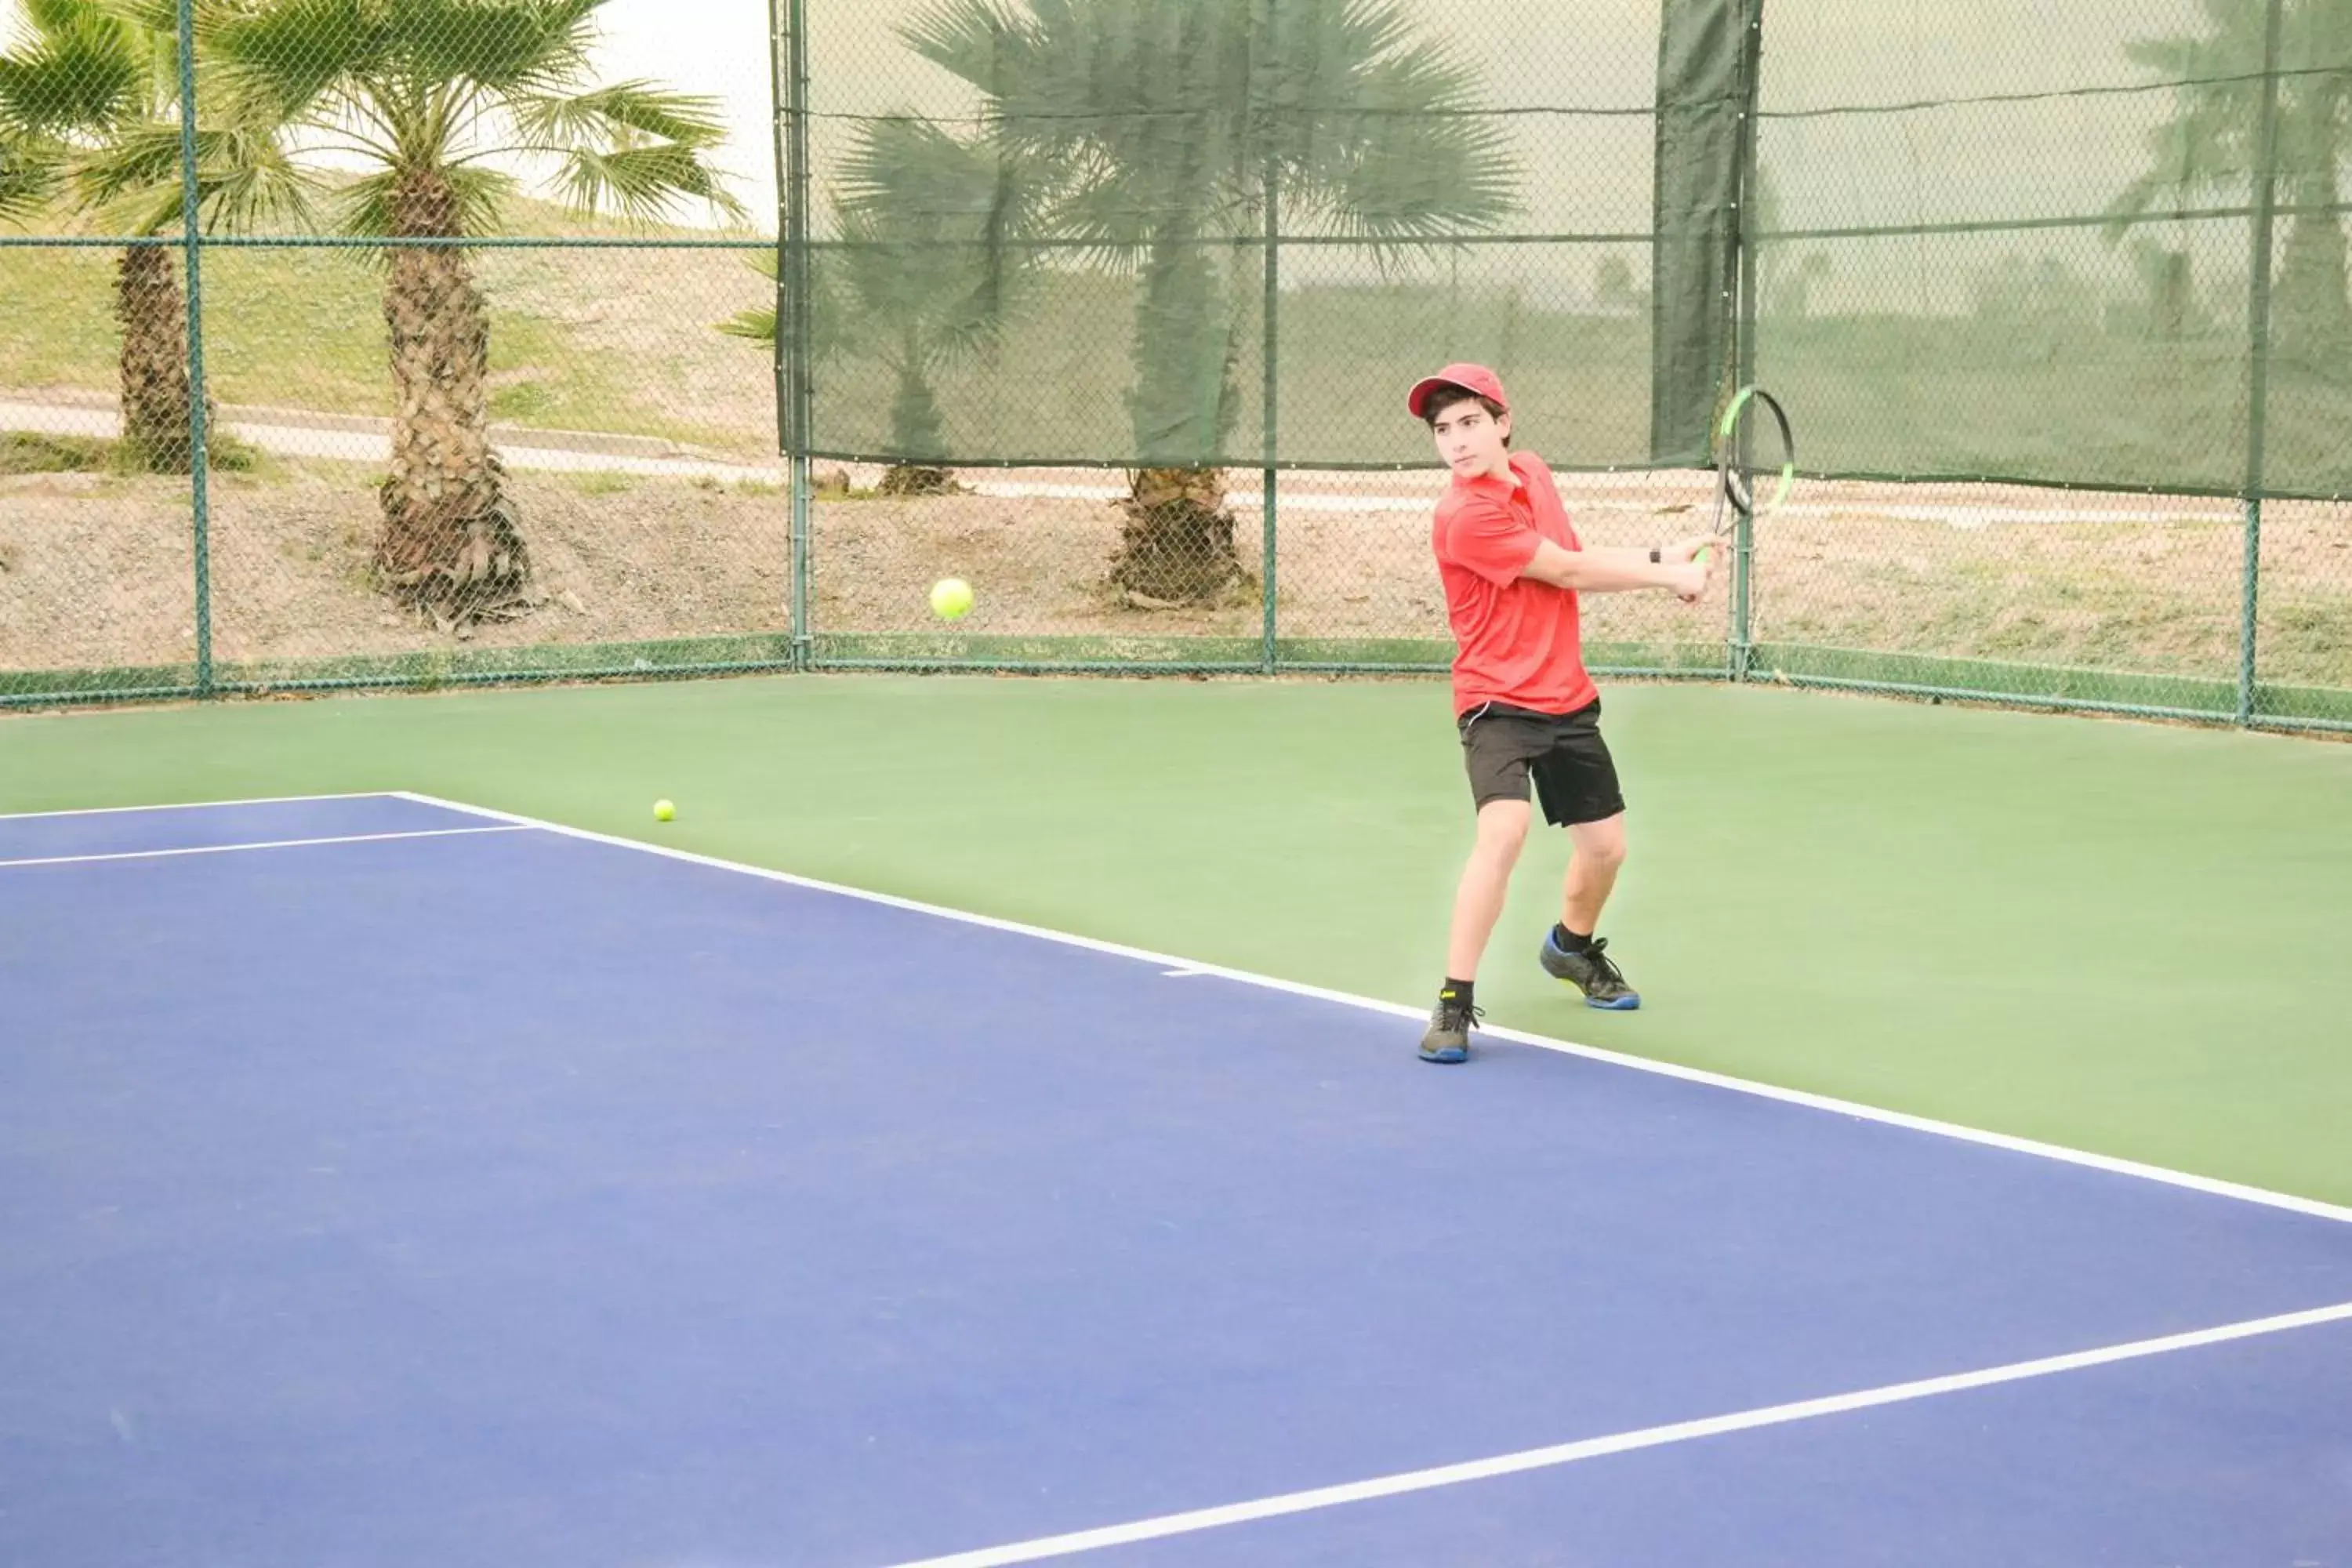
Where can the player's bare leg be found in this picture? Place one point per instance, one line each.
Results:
(1592, 872)
(1477, 905)
(1486, 882)
(1572, 951)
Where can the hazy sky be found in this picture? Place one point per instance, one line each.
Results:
(718, 47)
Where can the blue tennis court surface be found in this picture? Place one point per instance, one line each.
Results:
(417, 1189)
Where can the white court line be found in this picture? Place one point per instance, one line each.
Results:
(1619, 1443)
(272, 844)
(197, 804)
(2107, 1162)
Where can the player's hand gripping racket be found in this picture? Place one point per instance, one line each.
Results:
(1757, 457)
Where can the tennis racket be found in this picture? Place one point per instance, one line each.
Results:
(1756, 456)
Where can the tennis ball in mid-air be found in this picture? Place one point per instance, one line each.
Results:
(664, 811)
(952, 598)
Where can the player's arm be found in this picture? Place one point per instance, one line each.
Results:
(1615, 570)
(1490, 540)
(1674, 555)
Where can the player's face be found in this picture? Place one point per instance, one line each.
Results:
(1470, 439)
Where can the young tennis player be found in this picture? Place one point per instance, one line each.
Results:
(1513, 568)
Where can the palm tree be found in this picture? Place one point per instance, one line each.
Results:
(932, 270)
(86, 88)
(1170, 125)
(30, 165)
(435, 99)
(2213, 144)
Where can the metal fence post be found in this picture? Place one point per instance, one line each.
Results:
(193, 263)
(1743, 552)
(788, 78)
(1268, 352)
(2258, 370)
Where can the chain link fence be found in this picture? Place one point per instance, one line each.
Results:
(503, 312)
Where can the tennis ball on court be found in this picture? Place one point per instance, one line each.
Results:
(952, 598)
(664, 811)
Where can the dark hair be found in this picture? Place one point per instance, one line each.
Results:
(1445, 397)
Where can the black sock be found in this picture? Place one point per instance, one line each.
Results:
(1457, 991)
(1567, 940)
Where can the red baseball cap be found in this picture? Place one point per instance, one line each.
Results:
(1475, 378)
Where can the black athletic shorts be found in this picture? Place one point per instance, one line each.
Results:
(1574, 776)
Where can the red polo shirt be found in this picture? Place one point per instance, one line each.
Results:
(1519, 640)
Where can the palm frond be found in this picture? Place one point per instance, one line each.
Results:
(80, 77)
(828, 328)
(157, 209)
(247, 183)
(1406, 180)
(438, 91)
(643, 185)
(158, 18)
(934, 225)
(920, 177)
(980, 41)
(62, 16)
(506, 47)
(1376, 130)
(369, 207)
(630, 148)
(759, 326)
(605, 115)
(283, 57)
(1115, 215)
(31, 173)
(132, 163)
(1177, 111)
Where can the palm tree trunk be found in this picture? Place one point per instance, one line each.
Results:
(917, 426)
(918, 479)
(2313, 314)
(2311, 309)
(1177, 545)
(157, 401)
(450, 544)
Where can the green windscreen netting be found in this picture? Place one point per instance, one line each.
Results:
(2017, 239)
(1083, 231)
(2012, 239)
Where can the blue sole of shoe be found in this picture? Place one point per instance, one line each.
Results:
(1630, 1004)
(1445, 1059)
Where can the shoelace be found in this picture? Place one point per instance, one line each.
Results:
(1598, 953)
(1458, 1015)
